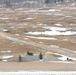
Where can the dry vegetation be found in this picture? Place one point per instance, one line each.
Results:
(15, 24)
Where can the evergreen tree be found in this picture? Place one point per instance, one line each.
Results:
(20, 58)
(28, 53)
(40, 56)
(47, 1)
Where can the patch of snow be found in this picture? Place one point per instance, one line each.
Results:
(34, 27)
(29, 18)
(53, 10)
(69, 16)
(4, 18)
(54, 31)
(17, 34)
(59, 14)
(36, 13)
(6, 57)
(67, 50)
(12, 26)
(74, 51)
(35, 33)
(49, 52)
(38, 73)
(40, 24)
(64, 57)
(6, 51)
(19, 9)
(63, 62)
(49, 14)
(58, 25)
(5, 30)
(73, 4)
(40, 42)
(54, 46)
(5, 60)
(45, 38)
(71, 24)
(25, 38)
(56, 28)
(31, 10)
(65, 39)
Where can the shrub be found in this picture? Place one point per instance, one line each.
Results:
(28, 53)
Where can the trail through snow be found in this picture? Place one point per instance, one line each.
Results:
(12, 39)
(43, 47)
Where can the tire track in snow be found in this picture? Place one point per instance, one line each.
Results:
(12, 39)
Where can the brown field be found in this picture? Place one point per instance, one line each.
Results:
(15, 26)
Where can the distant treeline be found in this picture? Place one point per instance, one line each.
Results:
(34, 3)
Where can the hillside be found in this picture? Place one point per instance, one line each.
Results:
(34, 3)
(28, 29)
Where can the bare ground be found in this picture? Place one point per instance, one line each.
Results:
(14, 24)
(37, 66)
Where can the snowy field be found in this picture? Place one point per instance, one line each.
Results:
(37, 73)
(50, 31)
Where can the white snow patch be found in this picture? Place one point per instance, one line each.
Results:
(40, 42)
(53, 10)
(49, 14)
(64, 57)
(4, 18)
(54, 31)
(25, 38)
(5, 60)
(73, 4)
(29, 18)
(59, 14)
(6, 57)
(40, 24)
(39, 73)
(54, 46)
(65, 40)
(17, 34)
(45, 38)
(56, 28)
(58, 25)
(5, 30)
(6, 51)
(74, 51)
(62, 62)
(19, 9)
(71, 24)
(69, 16)
(34, 26)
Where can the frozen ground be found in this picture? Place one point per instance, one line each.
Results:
(37, 73)
(38, 30)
